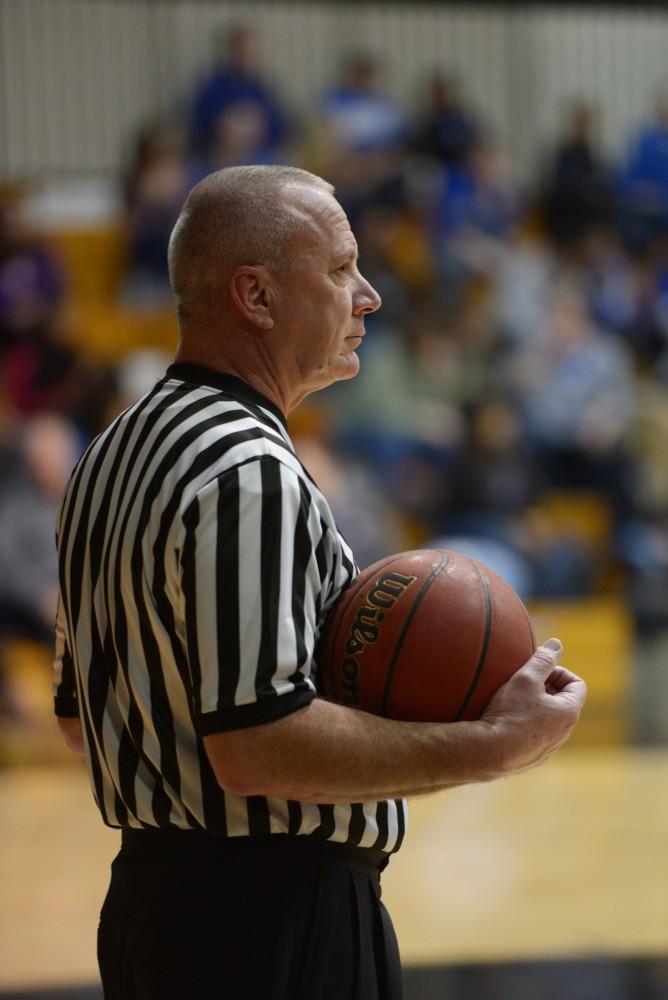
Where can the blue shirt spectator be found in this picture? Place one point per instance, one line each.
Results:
(360, 116)
(238, 81)
(644, 183)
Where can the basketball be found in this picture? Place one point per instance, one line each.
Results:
(427, 636)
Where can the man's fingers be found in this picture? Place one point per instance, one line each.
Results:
(575, 691)
(561, 678)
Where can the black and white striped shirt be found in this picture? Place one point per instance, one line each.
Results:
(197, 561)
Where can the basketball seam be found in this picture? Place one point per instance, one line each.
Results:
(404, 629)
(485, 645)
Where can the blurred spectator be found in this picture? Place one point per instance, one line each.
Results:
(235, 137)
(579, 187)
(426, 370)
(576, 391)
(396, 255)
(480, 207)
(610, 278)
(361, 137)
(40, 370)
(645, 180)
(361, 117)
(155, 189)
(521, 290)
(32, 284)
(238, 79)
(447, 130)
(37, 370)
(47, 450)
(44, 372)
(625, 293)
(484, 196)
(495, 486)
(494, 478)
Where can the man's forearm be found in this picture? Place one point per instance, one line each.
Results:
(329, 753)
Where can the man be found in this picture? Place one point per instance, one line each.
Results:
(197, 562)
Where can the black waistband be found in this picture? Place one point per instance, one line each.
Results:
(273, 849)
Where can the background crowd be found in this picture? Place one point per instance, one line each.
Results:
(513, 395)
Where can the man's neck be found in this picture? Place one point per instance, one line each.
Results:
(251, 374)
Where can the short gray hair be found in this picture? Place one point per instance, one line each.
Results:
(234, 216)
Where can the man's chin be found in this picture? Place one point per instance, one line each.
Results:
(347, 366)
(344, 367)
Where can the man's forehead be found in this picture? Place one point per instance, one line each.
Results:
(321, 216)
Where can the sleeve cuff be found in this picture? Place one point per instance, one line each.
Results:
(66, 707)
(241, 716)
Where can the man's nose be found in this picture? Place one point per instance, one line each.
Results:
(366, 299)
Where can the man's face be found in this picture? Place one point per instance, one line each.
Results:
(323, 297)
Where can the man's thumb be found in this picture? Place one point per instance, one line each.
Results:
(547, 655)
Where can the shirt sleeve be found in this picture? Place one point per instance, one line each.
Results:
(64, 685)
(251, 587)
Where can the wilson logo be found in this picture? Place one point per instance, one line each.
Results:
(366, 627)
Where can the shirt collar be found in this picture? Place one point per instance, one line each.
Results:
(184, 371)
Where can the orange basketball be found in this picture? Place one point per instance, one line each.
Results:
(426, 636)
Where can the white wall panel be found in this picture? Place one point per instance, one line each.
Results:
(78, 74)
(617, 58)
(78, 77)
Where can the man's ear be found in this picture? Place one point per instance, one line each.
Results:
(250, 292)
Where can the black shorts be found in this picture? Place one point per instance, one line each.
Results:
(193, 917)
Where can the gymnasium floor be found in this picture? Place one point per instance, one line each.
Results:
(546, 886)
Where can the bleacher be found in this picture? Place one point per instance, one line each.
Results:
(102, 328)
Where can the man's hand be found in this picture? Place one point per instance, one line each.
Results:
(71, 730)
(534, 712)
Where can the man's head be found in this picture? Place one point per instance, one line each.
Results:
(237, 216)
(264, 269)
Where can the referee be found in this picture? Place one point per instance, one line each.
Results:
(197, 561)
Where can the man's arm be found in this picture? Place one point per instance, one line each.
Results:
(328, 753)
